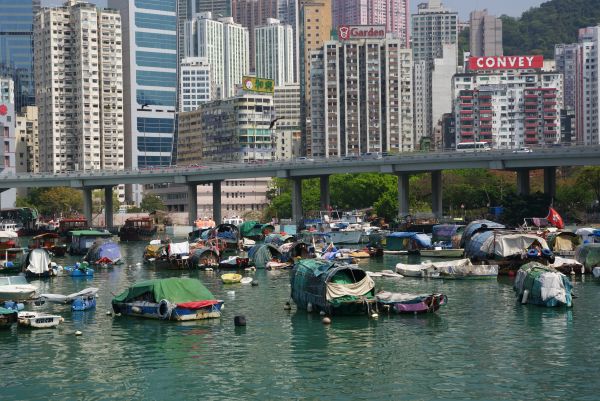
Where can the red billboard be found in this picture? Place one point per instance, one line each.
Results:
(506, 62)
(353, 32)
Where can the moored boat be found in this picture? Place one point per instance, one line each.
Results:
(398, 302)
(408, 270)
(168, 299)
(39, 320)
(332, 287)
(37, 263)
(65, 226)
(8, 317)
(104, 252)
(16, 288)
(542, 285)
(460, 269)
(79, 301)
(442, 253)
(137, 229)
(8, 240)
(261, 254)
(79, 270)
(83, 240)
(406, 242)
(51, 242)
(202, 258)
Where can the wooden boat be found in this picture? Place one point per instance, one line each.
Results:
(79, 301)
(168, 299)
(202, 258)
(51, 242)
(385, 273)
(65, 226)
(332, 287)
(137, 229)
(8, 240)
(235, 262)
(411, 270)
(542, 285)
(228, 233)
(406, 242)
(442, 253)
(16, 288)
(398, 302)
(261, 254)
(83, 240)
(8, 317)
(231, 278)
(38, 320)
(104, 252)
(13, 260)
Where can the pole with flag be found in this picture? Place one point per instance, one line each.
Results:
(555, 219)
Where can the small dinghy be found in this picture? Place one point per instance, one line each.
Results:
(80, 301)
(231, 278)
(7, 317)
(38, 320)
(410, 270)
(399, 302)
(385, 273)
(16, 288)
(80, 270)
(275, 265)
(246, 280)
(542, 285)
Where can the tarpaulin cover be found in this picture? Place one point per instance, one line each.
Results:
(179, 248)
(444, 232)
(4, 311)
(545, 285)
(340, 289)
(250, 229)
(261, 254)
(473, 247)
(422, 240)
(461, 268)
(103, 250)
(505, 245)
(197, 304)
(563, 242)
(475, 226)
(175, 290)
(589, 255)
(37, 261)
(315, 266)
(278, 239)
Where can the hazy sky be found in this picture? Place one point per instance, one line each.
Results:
(496, 7)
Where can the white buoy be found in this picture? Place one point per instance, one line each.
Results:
(322, 313)
(374, 315)
(309, 307)
(287, 306)
(108, 313)
(138, 264)
(231, 293)
(78, 333)
(326, 320)
(582, 269)
(525, 296)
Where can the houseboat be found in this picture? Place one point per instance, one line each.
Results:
(82, 240)
(52, 242)
(137, 229)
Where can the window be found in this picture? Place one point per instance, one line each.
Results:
(155, 125)
(155, 78)
(156, 40)
(154, 144)
(155, 21)
(160, 60)
(154, 97)
(161, 5)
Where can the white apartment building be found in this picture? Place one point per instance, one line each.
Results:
(361, 97)
(565, 58)
(7, 130)
(587, 86)
(224, 44)
(508, 108)
(442, 72)
(79, 88)
(286, 101)
(195, 85)
(274, 45)
(27, 140)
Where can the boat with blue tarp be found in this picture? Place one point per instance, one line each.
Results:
(168, 299)
(83, 240)
(79, 301)
(406, 242)
(332, 287)
(104, 252)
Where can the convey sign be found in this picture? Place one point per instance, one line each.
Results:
(506, 62)
(350, 32)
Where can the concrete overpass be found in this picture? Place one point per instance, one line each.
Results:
(401, 165)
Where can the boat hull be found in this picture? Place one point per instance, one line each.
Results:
(39, 320)
(442, 253)
(345, 237)
(151, 310)
(417, 305)
(18, 294)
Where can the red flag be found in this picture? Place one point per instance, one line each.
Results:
(555, 219)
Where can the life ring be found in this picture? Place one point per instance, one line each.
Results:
(164, 309)
(546, 252)
(532, 253)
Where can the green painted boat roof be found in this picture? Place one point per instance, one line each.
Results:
(96, 233)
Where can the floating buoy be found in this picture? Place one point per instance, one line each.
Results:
(136, 309)
(287, 306)
(326, 320)
(255, 284)
(108, 313)
(322, 313)
(138, 264)
(209, 269)
(231, 293)
(239, 320)
(582, 269)
(374, 315)
(78, 333)
(525, 296)
(309, 307)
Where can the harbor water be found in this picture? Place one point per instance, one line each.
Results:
(483, 345)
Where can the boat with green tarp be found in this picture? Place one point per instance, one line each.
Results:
(542, 285)
(333, 287)
(255, 230)
(168, 299)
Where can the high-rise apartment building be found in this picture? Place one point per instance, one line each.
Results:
(7, 131)
(195, 85)
(16, 47)
(565, 57)
(288, 12)
(315, 30)
(274, 52)
(362, 96)
(150, 73)
(79, 88)
(508, 108)
(286, 101)
(224, 44)
(485, 34)
(394, 14)
(27, 141)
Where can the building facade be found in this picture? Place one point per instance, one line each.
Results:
(508, 108)
(587, 87)
(27, 141)
(275, 52)
(394, 14)
(288, 12)
(195, 85)
(286, 101)
(7, 129)
(485, 34)
(79, 88)
(16, 47)
(362, 97)
(315, 29)
(565, 57)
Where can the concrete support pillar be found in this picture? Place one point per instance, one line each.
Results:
(87, 205)
(218, 219)
(523, 181)
(297, 211)
(436, 193)
(403, 188)
(108, 206)
(550, 181)
(325, 194)
(192, 195)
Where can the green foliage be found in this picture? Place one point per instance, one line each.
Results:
(463, 44)
(589, 178)
(98, 200)
(151, 203)
(53, 201)
(387, 206)
(540, 28)
(519, 207)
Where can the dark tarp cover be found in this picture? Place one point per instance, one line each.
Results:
(316, 266)
(4, 311)
(175, 290)
(250, 229)
(589, 255)
(475, 226)
(444, 232)
(421, 239)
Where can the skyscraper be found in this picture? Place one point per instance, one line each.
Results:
(195, 85)
(274, 52)
(150, 48)
(394, 14)
(16, 47)
(485, 34)
(288, 12)
(7, 132)
(79, 88)
(565, 57)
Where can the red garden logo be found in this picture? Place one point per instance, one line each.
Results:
(3, 110)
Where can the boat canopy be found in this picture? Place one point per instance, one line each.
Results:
(278, 239)
(476, 226)
(4, 311)
(545, 285)
(421, 238)
(588, 254)
(489, 244)
(563, 241)
(263, 253)
(8, 235)
(444, 232)
(37, 261)
(175, 290)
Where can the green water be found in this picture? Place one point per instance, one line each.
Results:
(482, 346)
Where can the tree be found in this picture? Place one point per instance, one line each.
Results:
(387, 206)
(589, 178)
(151, 203)
(98, 201)
(53, 201)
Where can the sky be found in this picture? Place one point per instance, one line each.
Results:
(513, 8)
